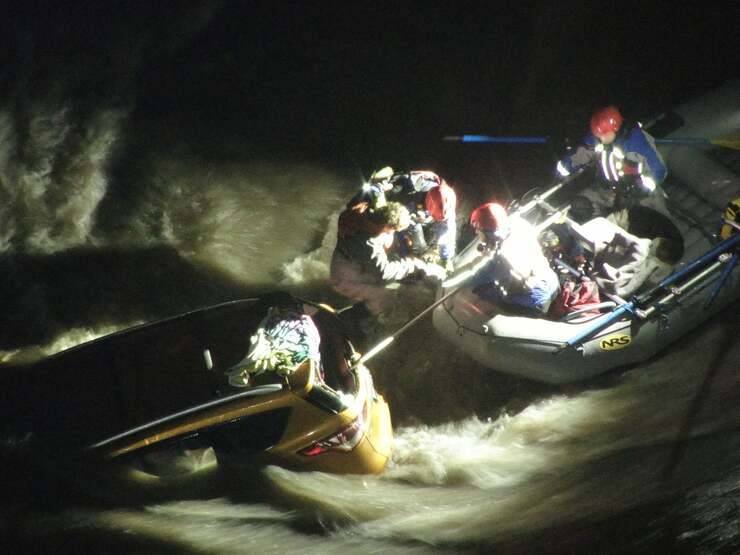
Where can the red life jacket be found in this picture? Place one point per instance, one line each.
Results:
(575, 296)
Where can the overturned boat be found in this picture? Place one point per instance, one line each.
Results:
(143, 396)
(688, 275)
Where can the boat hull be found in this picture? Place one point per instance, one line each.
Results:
(533, 347)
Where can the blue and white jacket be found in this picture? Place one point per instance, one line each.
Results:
(632, 155)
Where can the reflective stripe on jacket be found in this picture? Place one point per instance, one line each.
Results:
(632, 152)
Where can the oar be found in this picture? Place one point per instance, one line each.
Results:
(490, 139)
(391, 338)
(722, 280)
(727, 142)
(633, 306)
(457, 280)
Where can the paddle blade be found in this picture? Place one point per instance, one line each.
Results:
(509, 140)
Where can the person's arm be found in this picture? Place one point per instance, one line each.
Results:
(641, 146)
(582, 156)
(394, 268)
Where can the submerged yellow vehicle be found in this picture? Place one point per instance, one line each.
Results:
(149, 392)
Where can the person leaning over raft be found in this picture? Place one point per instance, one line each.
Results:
(518, 273)
(366, 259)
(629, 170)
(432, 204)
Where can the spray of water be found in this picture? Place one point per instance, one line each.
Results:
(214, 526)
(566, 456)
(587, 453)
(53, 175)
(481, 481)
(242, 219)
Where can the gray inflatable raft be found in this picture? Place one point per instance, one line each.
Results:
(672, 301)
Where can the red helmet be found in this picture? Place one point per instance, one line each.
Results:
(488, 217)
(605, 120)
(440, 201)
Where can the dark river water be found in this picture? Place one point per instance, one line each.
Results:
(158, 159)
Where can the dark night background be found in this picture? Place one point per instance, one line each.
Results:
(367, 82)
(206, 145)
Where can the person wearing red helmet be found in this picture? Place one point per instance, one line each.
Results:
(605, 123)
(518, 272)
(490, 221)
(629, 167)
(441, 228)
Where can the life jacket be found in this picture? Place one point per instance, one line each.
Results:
(575, 296)
(613, 162)
(630, 160)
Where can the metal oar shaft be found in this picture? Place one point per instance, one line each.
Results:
(722, 247)
(603, 323)
(539, 200)
(728, 142)
(391, 338)
(676, 293)
(630, 307)
(722, 280)
(490, 139)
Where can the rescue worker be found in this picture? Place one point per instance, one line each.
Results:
(432, 204)
(629, 167)
(518, 273)
(441, 230)
(366, 258)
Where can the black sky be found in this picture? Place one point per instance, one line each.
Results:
(367, 80)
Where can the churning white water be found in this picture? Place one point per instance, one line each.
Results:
(97, 234)
(486, 469)
(578, 457)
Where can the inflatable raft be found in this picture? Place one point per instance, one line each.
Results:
(673, 295)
